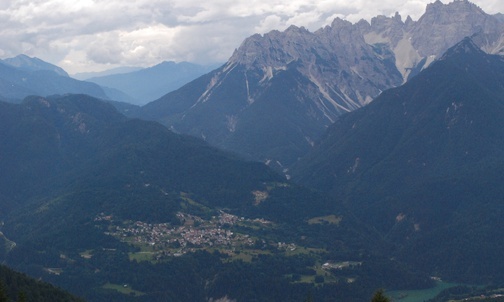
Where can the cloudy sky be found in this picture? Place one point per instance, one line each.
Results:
(94, 35)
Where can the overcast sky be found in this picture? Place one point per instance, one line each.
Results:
(93, 35)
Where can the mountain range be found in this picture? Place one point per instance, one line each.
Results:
(408, 186)
(22, 76)
(151, 83)
(421, 164)
(390, 132)
(23, 62)
(82, 76)
(279, 91)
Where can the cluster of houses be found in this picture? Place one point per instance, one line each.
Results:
(194, 233)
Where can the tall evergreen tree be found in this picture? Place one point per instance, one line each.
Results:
(309, 297)
(3, 294)
(379, 296)
(21, 297)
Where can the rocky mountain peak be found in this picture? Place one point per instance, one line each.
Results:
(444, 25)
(454, 5)
(464, 47)
(390, 28)
(416, 44)
(294, 30)
(413, 45)
(27, 63)
(338, 23)
(459, 8)
(434, 6)
(274, 49)
(397, 17)
(311, 78)
(408, 21)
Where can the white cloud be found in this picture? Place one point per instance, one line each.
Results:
(270, 23)
(89, 35)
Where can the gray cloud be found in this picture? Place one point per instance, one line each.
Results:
(100, 34)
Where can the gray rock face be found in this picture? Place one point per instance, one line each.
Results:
(416, 44)
(340, 56)
(347, 71)
(279, 91)
(442, 26)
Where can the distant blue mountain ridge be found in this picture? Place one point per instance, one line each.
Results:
(22, 76)
(149, 84)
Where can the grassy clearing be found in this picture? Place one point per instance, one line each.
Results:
(273, 185)
(245, 257)
(51, 203)
(304, 250)
(248, 255)
(9, 244)
(87, 254)
(123, 289)
(330, 219)
(194, 203)
(319, 272)
(146, 253)
(142, 256)
(54, 270)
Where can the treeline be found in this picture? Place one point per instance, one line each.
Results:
(18, 287)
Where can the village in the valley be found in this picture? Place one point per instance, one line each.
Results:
(163, 240)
